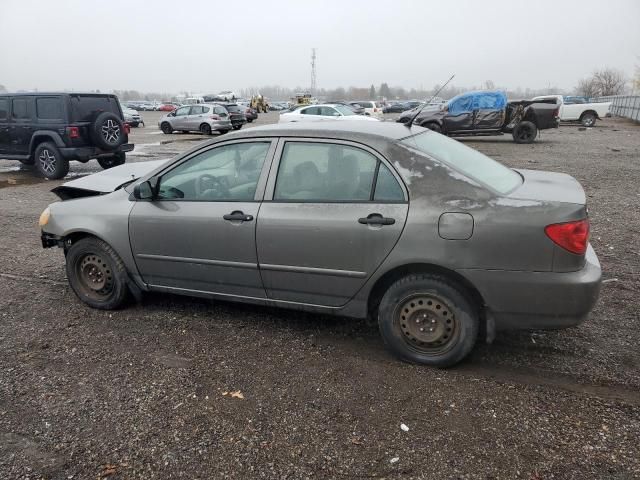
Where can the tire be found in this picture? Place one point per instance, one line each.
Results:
(525, 132)
(112, 161)
(205, 129)
(433, 126)
(588, 119)
(222, 132)
(107, 131)
(166, 128)
(249, 120)
(237, 127)
(49, 161)
(429, 320)
(96, 274)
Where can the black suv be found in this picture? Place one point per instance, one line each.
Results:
(236, 114)
(49, 129)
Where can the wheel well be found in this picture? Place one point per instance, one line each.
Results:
(386, 280)
(74, 237)
(589, 111)
(37, 140)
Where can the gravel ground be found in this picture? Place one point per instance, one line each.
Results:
(185, 388)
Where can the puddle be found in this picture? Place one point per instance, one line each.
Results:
(141, 150)
(19, 180)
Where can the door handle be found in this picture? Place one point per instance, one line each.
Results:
(238, 215)
(376, 219)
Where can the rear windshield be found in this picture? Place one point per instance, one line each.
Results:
(466, 160)
(85, 108)
(233, 108)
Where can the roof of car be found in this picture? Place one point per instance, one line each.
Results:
(336, 129)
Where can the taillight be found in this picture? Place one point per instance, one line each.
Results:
(214, 117)
(572, 236)
(127, 128)
(73, 132)
(375, 110)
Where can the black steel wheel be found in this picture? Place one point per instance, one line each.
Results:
(205, 129)
(525, 132)
(96, 274)
(428, 319)
(166, 128)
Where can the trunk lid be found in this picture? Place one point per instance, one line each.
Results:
(548, 187)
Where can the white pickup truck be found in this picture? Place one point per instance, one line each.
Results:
(585, 113)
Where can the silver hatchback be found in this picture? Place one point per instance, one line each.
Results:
(437, 241)
(203, 118)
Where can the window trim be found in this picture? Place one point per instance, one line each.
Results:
(30, 109)
(273, 174)
(262, 178)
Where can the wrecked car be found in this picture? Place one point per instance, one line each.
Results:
(488, 113)
(438, 242)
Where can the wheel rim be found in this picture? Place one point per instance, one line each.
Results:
(165, 127)
(428, 324)
(525, 133)
(110, 131)
(47, 161)
(588, 121)
(95, 276)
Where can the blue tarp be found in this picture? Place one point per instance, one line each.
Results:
(485, 100)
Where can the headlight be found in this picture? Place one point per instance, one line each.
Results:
(44, 217)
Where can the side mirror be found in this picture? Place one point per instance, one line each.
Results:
(144, 191)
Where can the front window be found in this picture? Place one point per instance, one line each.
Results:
(182, 111)
(227, 173)
(466, 160)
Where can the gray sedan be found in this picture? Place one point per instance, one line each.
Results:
(440, 243)
(197, 118)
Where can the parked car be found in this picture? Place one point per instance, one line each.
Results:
(317, 113)
(397, 107)
(168, 107)
(132, 117)
(585, 113)
(250, 114)
(50, 129)
(236, 114)
(204, 118)
(487, 113)
(434, 239)
(370, 108)
(358, 109)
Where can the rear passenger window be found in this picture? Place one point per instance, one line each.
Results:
(49, 108)
(196, 110)
(20, 108)
(4, 108)
(324, 172)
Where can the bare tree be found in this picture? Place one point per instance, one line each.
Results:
(587, 87)
(488, 85)
(609, 81)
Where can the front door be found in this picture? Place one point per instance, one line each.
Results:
(181, 120)
(198, 235)
(334, 213)
(459, 114)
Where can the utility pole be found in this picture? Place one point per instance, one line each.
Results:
(313, 71)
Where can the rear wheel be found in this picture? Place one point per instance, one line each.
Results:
(49, 161)
(588, 119)
(237, 127)
(96, 274)
(166, 128)
(205, 129)
(525, 132)
(433, 126)
(428, 319)
(112, 161)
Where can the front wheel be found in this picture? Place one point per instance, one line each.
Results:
(50, 162)
(113, 160)
(429, 320)
(525, 132)
(96, 274)
(588, 119)
(434, 126)
(166, 128)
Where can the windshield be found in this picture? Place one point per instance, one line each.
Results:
(344, 110)
(466, 160)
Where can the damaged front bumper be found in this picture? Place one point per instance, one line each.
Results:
(50, 240)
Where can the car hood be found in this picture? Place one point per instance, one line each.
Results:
(106, 181)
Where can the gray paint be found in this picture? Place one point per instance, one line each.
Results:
(318, 257)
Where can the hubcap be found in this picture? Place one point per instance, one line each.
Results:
(427, 323)
(47, 161)
(95, 276)
(111, 131)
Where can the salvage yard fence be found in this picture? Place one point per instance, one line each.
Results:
(627, 106)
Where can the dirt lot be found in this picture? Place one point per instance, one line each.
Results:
(140, 393)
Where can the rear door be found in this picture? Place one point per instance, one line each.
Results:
(332, 213)
(195, 117)
(5, 139)
(21, 124)
(199, 234)
(489, 111)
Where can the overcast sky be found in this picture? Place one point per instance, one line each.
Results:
(208, 46)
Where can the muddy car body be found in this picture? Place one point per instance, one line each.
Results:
(439, 242)
(488, 113)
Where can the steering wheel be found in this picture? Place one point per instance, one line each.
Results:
(212, 186)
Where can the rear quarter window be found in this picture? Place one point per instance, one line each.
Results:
(85, 108)
(49, 108)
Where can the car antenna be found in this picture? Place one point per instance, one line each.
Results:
(410, 122)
